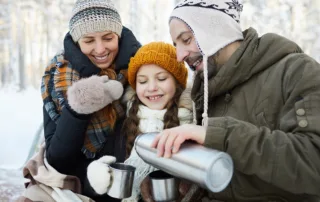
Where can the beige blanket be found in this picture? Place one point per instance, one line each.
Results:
(46, 184)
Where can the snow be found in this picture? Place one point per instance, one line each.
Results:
(21, 118)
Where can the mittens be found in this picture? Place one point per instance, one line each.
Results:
(99, 175)
(91, 94)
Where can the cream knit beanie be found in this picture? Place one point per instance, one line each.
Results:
(90, 16)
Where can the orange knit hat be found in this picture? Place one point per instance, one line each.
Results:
(161, 54)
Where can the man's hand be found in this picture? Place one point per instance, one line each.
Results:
(170, 140)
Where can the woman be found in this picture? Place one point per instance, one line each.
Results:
(81, 88)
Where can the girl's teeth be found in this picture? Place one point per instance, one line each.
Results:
(154, 98)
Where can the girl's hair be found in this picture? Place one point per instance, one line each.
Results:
(131, 124)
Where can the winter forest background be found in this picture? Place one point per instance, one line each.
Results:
(32, 31)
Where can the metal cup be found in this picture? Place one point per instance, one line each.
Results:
(164, 186)
(122, 180)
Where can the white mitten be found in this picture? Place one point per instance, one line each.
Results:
(91, 94)
(99, 175)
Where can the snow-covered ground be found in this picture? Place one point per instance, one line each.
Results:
(21, 117)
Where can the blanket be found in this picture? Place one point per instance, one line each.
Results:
(47, 184)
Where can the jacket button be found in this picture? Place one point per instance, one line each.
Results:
(301, 112)
(303, 123)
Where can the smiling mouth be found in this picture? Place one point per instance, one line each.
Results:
(194, 65)
(154, 98)
(101, 58)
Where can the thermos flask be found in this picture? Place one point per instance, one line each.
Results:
(209, 168)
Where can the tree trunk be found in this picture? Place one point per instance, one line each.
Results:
(21, 49)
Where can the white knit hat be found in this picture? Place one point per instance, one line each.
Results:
(215, 24)
(90, 16)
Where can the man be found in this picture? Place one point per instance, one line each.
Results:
(256, 98)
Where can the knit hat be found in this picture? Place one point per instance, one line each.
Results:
(215, 24)
(161, 54)
(90, 16)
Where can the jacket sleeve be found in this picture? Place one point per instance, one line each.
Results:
(289, 155)
(64, 139)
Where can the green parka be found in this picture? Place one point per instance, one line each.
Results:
(264, 110)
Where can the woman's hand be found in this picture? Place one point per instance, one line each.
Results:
(99, 174)
(91, 94)
(170, 140)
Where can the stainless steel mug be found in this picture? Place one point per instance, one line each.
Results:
(209, 168)
(122, 180)
(164, 186)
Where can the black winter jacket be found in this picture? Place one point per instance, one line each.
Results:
(65, 138)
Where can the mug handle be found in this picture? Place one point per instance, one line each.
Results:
(111, 177)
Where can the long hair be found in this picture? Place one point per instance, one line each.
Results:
(131, 124)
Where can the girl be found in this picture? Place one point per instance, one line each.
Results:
(157, 100)
(158, 103)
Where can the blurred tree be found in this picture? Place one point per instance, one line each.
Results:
(32, 31)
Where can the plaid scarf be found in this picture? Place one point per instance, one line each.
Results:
(58, 76)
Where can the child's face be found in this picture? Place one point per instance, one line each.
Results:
(155, 86)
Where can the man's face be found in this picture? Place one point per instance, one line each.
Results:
(185, 43)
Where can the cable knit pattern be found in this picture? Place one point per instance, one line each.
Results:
(90, 16)
(150, 121)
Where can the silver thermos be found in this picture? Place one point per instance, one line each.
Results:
(209, 168)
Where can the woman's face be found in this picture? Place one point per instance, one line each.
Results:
(100, 47)
(155, 86)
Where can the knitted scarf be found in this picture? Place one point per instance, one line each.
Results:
(60, 75)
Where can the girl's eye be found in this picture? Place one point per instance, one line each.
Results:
(162, 79)
(107, 39)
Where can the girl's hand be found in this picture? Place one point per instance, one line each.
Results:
(170, 140)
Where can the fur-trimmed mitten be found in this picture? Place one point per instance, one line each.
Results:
(99, 174)
(91, 94)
